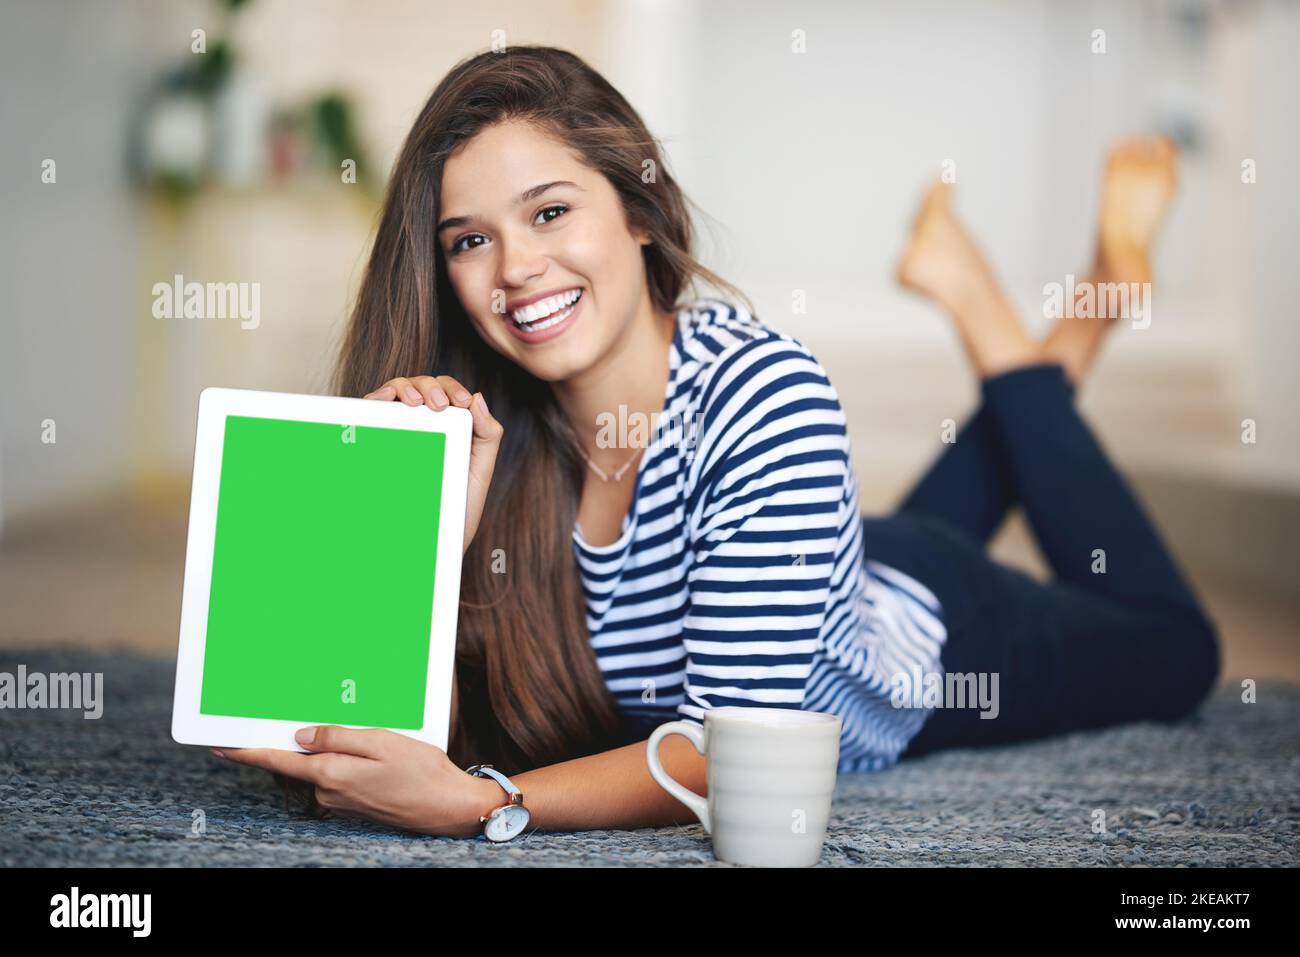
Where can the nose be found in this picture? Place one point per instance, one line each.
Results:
(521, 260)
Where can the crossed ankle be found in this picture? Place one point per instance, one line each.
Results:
(1122, 267)
(1041, 367)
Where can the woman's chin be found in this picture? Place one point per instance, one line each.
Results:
(557, 368)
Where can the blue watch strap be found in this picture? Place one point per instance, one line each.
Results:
(501, 779)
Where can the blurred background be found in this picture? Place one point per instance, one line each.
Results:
(211, 139)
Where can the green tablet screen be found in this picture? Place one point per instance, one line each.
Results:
(322, 573)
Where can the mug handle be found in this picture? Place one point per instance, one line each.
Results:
(688, 797)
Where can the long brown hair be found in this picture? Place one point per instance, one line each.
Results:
(529, 687)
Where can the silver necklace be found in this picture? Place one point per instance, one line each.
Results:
(605, 477)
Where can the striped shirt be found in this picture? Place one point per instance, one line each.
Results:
(739, 576)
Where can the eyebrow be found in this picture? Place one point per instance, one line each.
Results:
(525, 196)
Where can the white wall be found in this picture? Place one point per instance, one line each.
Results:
(68, 250)
(808, 168)
(813, 164)
(1263, 59)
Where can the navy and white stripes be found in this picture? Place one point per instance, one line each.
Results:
(738, 578)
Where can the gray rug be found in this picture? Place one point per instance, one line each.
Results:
(1221, 789)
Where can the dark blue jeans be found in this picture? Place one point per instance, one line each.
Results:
(1090, 649)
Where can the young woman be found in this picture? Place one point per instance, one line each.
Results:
(530, 265)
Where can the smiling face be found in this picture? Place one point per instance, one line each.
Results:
(521, 217)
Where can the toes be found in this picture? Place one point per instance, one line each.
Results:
(934, 205)
(938, 195)
(1167, 151)
(1148, 150)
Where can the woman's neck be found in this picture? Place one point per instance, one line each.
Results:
(632, 375)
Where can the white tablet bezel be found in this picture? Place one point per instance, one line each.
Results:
(189, 726)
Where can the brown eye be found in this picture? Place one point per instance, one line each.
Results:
(456, 246)
(562, 210)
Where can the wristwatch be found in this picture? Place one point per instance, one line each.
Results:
(509, 820)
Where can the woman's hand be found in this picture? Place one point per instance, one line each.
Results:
(383, 776)
(434, 391)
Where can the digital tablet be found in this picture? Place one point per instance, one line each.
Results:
(322, 568)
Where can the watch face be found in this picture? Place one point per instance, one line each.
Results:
(506, 822)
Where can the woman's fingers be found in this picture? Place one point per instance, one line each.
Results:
(431, 393)
(437, 392)
(399, 388)
(363, 742)
(440, 391)
(277, 761)
(457, 392)
(408, 393)
(486, 428)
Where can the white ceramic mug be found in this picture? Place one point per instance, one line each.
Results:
(771, 775)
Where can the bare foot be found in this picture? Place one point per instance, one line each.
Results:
(943, 263)
(1140, 179)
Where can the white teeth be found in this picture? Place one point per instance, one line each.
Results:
(547, 323)
(545, 307)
